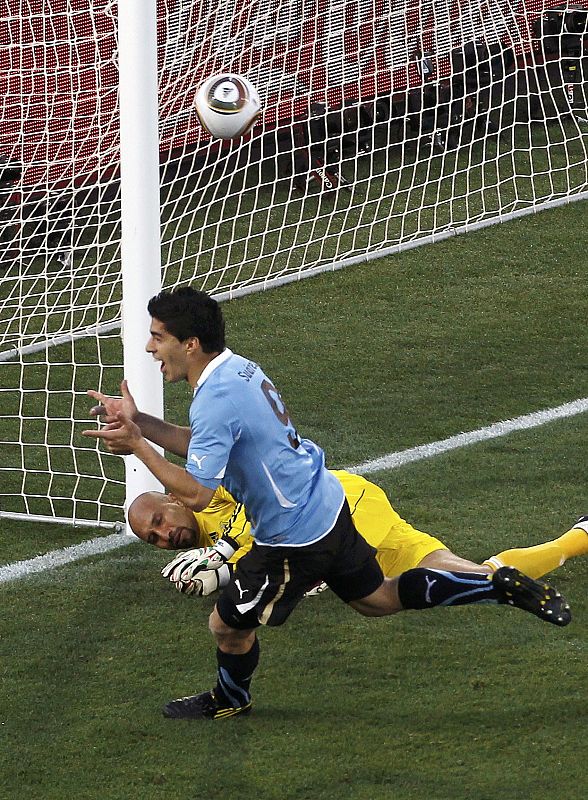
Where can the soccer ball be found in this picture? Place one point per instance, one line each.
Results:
(227, 105)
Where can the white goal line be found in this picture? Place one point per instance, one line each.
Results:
(103, 544)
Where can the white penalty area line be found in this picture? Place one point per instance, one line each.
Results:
(498, 429)
(103, 544)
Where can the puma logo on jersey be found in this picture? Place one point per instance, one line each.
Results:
(197, 460)
(241, 591)
(430, 584)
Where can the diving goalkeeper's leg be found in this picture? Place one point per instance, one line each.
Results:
(542, 558)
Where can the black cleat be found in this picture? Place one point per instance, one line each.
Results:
(536, 597)
(581, 523)
(201, 706)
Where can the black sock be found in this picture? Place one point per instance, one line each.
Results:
(424, 588)
(234, 676)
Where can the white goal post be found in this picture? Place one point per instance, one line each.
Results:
(387, 124)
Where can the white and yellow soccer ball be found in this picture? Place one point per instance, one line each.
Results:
(227, 105)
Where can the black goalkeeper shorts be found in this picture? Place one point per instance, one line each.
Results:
(269, 582)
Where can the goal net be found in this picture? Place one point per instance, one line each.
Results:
(387, 124)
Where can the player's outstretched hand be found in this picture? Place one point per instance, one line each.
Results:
(120, 433)
(109, 407)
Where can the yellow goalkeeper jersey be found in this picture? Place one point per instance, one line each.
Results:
(224, 515)
(399, 545)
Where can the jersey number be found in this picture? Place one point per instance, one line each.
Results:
(279, 408)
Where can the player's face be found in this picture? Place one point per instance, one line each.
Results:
(164, 347)
(165, 523)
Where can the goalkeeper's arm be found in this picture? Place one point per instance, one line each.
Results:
(237, 530)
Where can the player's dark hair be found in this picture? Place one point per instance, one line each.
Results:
(186, 312)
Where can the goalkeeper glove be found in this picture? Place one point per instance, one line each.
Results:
(186, 565)
(206, 582)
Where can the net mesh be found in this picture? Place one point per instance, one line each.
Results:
(386, 123)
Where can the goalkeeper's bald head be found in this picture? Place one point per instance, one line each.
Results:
(159, 519)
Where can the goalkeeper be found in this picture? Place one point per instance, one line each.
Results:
(161, 520)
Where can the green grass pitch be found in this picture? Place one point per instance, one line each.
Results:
(485, 703)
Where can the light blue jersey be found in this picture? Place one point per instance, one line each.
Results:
(242, 437)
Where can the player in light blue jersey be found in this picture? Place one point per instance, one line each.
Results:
(241, 435)
(290, 497)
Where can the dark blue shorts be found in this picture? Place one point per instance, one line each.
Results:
(269, 582)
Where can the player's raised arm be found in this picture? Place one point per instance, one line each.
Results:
(173, 438)
(108, 407)
(122, 436)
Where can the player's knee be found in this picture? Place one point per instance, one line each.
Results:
(382, 602)
(217, 627)
(229, 639)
